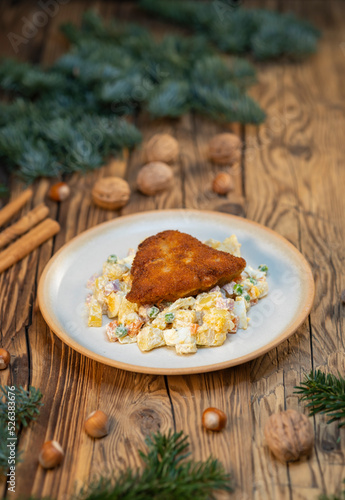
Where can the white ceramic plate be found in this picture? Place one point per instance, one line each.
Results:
(62, 290)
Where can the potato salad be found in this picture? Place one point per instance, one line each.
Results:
(186, 324)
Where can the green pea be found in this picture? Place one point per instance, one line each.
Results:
(169, 317)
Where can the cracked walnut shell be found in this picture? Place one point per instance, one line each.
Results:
(161, 147)
(225, 149)
(111, 193)
(289, 435)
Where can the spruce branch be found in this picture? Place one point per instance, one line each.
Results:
(263, 33)
(325, 393)
(168, 473)
(70, 117)
(27, 404)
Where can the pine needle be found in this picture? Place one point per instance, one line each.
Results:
(325, 393)
(27, 404)
(168, 473)
(265, 34)
(72, 116)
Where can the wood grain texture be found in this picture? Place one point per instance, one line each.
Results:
(291, 179)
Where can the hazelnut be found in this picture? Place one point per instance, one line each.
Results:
(222, 183)
(97, 424)
(59, 191)
(214, 419)
(289, 435)
(51, 455)
(5, 358)
(111, 193)
(154, 178)
(225, 149)
(161, 147)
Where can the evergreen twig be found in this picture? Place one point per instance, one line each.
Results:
(69, 117)
(27, 404)
(325, 393)
(263, 33)
(168, 473)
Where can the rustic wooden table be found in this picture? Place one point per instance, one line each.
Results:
(291, 179)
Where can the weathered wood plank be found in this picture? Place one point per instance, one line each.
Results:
(293, 180)
(302, 144)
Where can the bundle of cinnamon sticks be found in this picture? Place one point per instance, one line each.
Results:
(32, 230)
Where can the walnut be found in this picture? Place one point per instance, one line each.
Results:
(154, 178)
(161, 147)
(111, 193)
(222, 183)
(289, 435)
(225, 149)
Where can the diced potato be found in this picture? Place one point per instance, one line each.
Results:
(160, 322)
(209, 337)
(114, 271)
(113, 301)
(254, 273)
(127, 340)
(150, 338)
(213, 243)
(186, 348)
(185, 335)
(241, 312)
(128, 310)
(98, 292)
(231, 245)
(184, 318)
(218, 320)
(262, 288)
(127, 261)
(206, 301)
(95, 314)
(183, 303)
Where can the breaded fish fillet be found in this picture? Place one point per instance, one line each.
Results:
(171, 265)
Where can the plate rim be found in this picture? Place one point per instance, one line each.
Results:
(288, 331)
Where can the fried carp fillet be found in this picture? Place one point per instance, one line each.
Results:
(171, 265)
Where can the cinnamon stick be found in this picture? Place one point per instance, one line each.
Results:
(14, 206)
(24, 224)
(27, 243)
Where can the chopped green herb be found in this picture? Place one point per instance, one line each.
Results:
(121, 331)
(253, 281)
(153, 312)
(169, 317)
(263, 268)
(238, 289)
(247, 297)
(112, 259)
